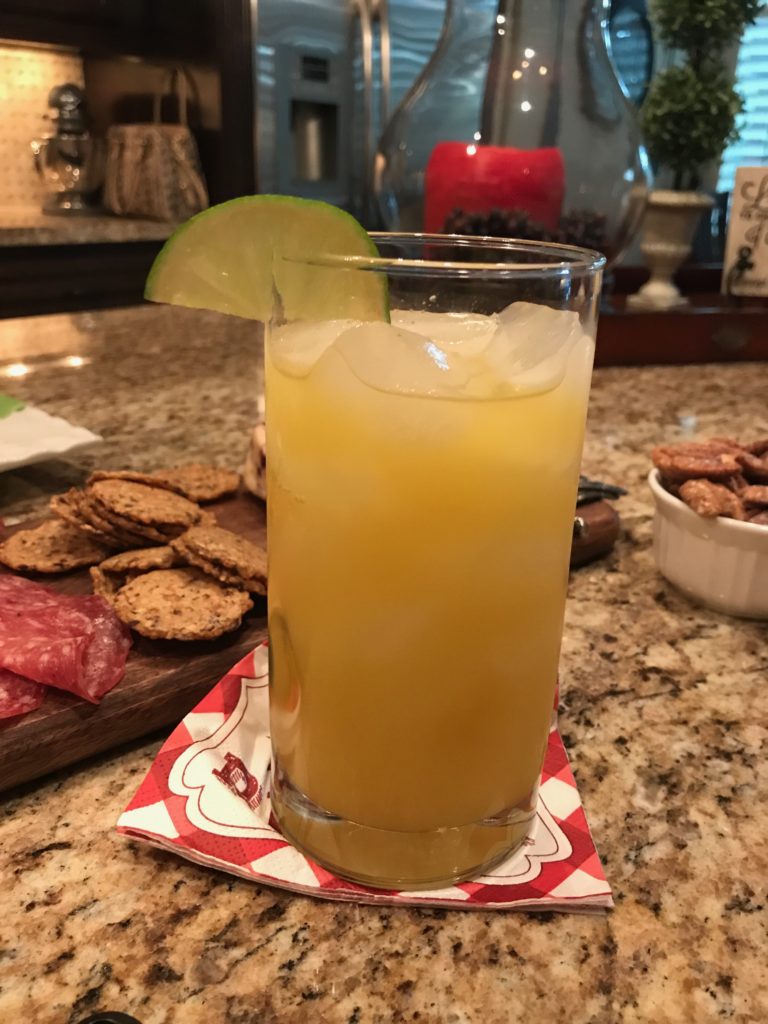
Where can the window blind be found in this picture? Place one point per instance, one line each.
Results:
(752, 82)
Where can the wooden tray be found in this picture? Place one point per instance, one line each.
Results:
(164, 680)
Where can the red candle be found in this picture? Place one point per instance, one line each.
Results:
(478, 179)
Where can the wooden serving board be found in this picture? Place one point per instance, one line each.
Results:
(164, 679)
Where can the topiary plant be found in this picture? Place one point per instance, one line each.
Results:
(689, 115)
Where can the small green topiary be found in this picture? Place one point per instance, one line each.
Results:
(689, 115)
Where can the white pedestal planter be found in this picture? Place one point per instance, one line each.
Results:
(668, 229)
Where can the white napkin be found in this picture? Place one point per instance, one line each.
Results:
(31, 435)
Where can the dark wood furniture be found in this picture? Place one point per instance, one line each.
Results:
(163, 680)
(125, 44)
(712, 329)
(142, 28)
(63, 278)
(211, 37)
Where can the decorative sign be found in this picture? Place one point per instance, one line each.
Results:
(745, 267)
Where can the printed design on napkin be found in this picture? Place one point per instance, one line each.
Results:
(240, 781)
(206, 797)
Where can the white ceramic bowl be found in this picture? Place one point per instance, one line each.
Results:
(721, 563)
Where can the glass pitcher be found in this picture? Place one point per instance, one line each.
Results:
(517, 127)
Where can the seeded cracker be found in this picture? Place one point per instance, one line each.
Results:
(53, 546)
(105, 584)
(142, 560)
(75, 507)
(116, 571)
(207, 518)
(219, 572)
(126, 538)
(137, 478)
(180, 604)
(233, 552)
(199, 482)
(67, 507)
(143, 532)
(141, 504)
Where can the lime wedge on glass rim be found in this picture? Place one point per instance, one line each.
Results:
(252, 257)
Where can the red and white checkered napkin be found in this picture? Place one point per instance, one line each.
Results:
(206, 797)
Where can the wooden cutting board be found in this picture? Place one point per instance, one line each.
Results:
(164, 679)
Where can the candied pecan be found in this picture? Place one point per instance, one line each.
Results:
(760, 518)
(673, 486)
(723, 444)
(701, 448)
(689, 461)
(736, 483)
(710, 499)
(756, 494)
(759, 447)
(755, 469)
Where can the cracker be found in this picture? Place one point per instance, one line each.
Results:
(137, 478)
(105, 584)
(200, 482)
(67, 507)
(141, 560)
(180, 604)
(142, 531)
(117, 570)
(139, 503)
(233, 552)
(75, 507)
(94, 514)
(195, 481)
(53, 546)
(218, 571)
(207, 518)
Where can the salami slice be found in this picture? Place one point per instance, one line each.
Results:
(18, 695)
(73, 643)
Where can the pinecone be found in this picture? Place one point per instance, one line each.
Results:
(585, 228)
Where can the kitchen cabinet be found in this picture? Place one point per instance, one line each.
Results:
(143, 28)
(62, 278)
(211, 39)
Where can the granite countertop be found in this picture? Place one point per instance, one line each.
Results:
(663, 715)
(21, 225)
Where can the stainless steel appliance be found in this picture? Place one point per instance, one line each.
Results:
(327, 74)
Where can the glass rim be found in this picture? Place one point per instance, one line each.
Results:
(564, 259)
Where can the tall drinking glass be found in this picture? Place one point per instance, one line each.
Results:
(421, 495)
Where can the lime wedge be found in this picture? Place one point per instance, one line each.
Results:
(9, 404)
(250, 257)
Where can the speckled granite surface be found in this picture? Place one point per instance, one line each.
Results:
(664, 715)
(30, 226)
